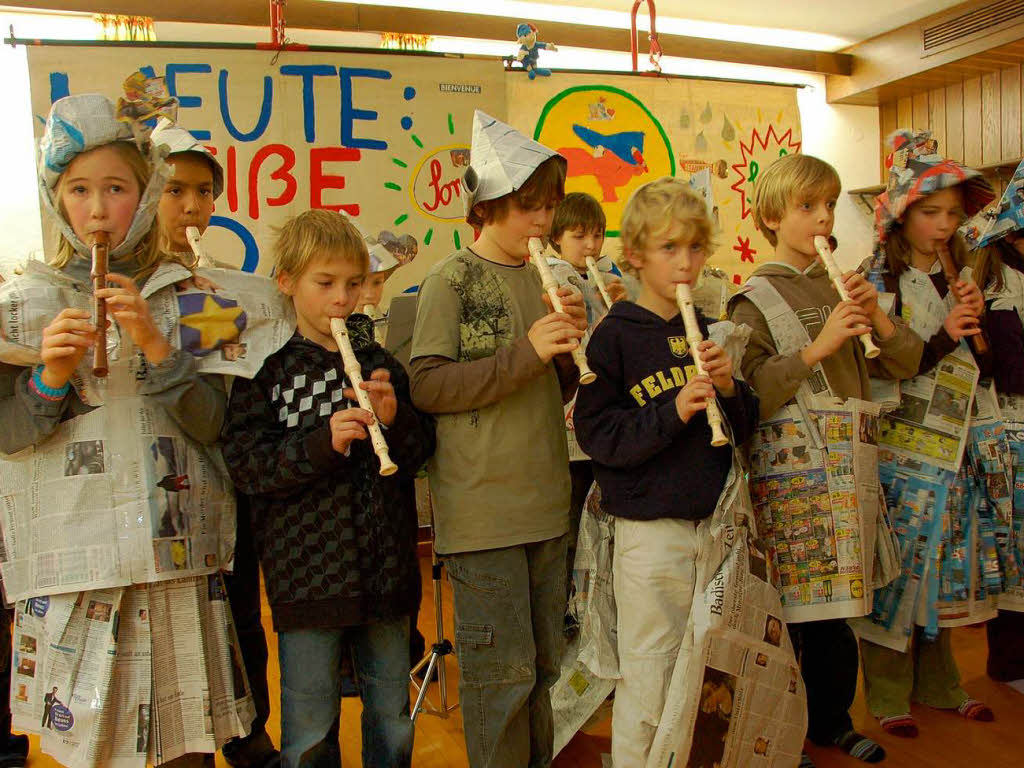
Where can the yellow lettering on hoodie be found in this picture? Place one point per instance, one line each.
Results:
(653, 390)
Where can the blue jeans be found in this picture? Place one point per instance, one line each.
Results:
(311, 694)
(509, 614)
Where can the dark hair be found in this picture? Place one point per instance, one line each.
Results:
(545, 185)
(988, 264)
(897, 250)
(577, 210)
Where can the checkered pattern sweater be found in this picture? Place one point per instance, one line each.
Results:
(336, 540)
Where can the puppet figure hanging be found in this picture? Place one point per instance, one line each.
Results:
(529, 50)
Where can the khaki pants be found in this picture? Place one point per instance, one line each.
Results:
(654, 569)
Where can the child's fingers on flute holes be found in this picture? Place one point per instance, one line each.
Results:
(71, 340)
(381, 374)
(122, 280)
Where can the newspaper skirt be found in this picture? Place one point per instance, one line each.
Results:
(1012, 411)
(956, 533)
(127, 676)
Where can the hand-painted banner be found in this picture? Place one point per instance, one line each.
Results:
(383, 138)
(621, 131)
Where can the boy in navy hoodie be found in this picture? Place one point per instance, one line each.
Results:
(643, 425)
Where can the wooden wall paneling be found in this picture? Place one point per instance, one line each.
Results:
(905, 112)
(920, 111)
(991, 147)
(972, 121)
(937, 117)
(954, 121)
(1009, 110)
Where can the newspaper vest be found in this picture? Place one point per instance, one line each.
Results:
(121, 495)
(814, 485)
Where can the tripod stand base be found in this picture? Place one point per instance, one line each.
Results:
(433, 661)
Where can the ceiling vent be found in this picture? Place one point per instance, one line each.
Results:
(983, 20)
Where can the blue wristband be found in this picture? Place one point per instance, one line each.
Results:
(48, 392)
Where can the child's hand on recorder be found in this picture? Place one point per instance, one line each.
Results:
(554, 334)
(349, 425)
(131, 311)
(572, 305)
(718, 366)
(861, 291)
(382, 395)
(693, 398)
(848, 319)
(961, 321)
(65, 342)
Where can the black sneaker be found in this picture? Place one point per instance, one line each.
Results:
(253, 751)
(14, 753)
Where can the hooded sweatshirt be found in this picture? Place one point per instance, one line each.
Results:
(812, 296)
(649, 463)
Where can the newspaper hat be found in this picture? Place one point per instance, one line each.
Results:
(178, 140)
(381, 259)
(78, 124)
(501, 159)
(916, 170)
(1000, 218)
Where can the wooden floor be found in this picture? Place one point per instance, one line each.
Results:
(945, 740)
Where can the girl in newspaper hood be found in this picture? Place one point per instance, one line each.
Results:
(919, 212)
(997, 235)
(153, 582)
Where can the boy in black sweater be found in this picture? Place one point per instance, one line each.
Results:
(643, 425)
(337, 541)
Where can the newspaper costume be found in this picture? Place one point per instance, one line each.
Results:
(736, 697)
(989, 225)
(502, 160)
(381, 260)
(177, 140)
(943, 444)
(117, 524)
(814, 476)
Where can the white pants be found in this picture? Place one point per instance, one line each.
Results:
(654, 572)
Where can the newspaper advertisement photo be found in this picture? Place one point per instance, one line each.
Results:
(76, 641)
(930, 424)
(818, 523)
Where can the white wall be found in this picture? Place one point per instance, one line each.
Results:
(845, 136)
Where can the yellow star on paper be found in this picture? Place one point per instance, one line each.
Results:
(216, 324)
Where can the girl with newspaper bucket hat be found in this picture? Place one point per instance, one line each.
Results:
(905, 643)
(117, 572)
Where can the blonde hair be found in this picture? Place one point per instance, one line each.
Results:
(791, 179)
(315, 234)
(653, 208)
(147, 254)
